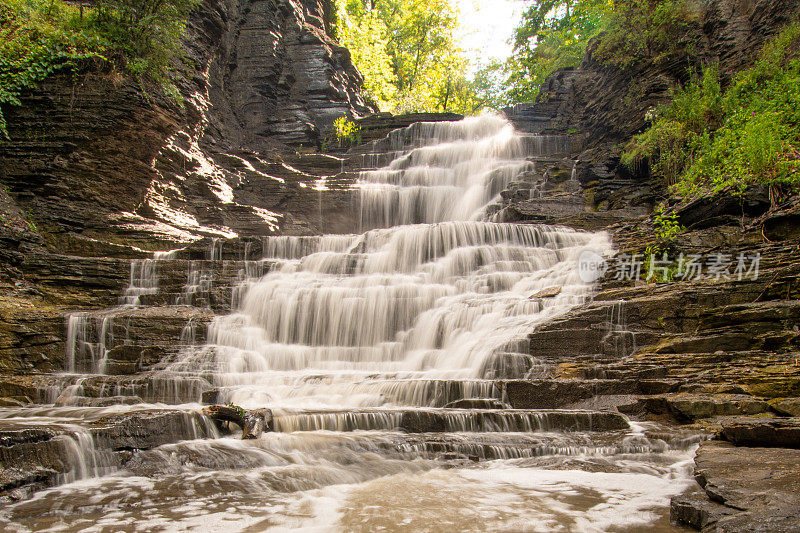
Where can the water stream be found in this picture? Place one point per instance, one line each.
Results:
(358, 343)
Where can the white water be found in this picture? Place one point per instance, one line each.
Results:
(367, 320)
(349, 333)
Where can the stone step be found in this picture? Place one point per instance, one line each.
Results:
(45, 447)
(492, 446)
(141, 335)
(449, 420)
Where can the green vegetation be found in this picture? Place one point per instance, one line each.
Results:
(348, 133)
(710, 139)
(555, 34)
(647, 30)
(238, 409)
(407, 52)
(40, 37)
(666, 230)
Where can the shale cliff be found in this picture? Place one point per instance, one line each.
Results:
(97, 164)
(602, 105)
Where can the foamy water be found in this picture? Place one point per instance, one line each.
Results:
(350, 337)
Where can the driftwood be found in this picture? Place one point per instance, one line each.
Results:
(252, 421)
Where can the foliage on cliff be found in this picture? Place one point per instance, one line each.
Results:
(40, 37)
(554, 34)
(407, 52)
(710, 138)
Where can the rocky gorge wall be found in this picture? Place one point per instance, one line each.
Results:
(603, 105)
(97, 164)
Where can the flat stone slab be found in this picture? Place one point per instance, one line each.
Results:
(787, 407)
(763, 432)
(35, 455)
(759, 489)
(690, 407)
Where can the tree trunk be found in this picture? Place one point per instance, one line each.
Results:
(253, 421)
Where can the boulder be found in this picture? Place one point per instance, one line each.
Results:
(697, 511)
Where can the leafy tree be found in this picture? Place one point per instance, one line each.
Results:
(553, 34)
(408, 54)
(644, 30)
(365, 34)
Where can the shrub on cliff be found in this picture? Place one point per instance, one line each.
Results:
(646, 30)
(146, 32)
(555, 34)
(40, 37)
(708, 139)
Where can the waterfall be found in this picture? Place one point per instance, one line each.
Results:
(430, 291)
(384, 357)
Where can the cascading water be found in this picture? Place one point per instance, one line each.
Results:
(359, 344)
(375, 319)
(421, 302)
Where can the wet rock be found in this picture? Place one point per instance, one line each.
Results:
(760, 487)
(423, 422)
(477, 403)
(550, 292)
(697, 511)
(145, 430)
(554, 394)
(210, 397)
(757, 432)
(83, 401)
(32, 456)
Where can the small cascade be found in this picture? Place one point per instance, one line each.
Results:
(87, 340)
(199, 282)
(452, 171)
(618, 340)
(83, 457)
(449, 421)
(215, 251)
(143, 281)
(189, 334)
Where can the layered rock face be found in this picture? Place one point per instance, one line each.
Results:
(603, 105)
(97, 164)
(275, 74)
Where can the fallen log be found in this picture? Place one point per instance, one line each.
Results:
(253, 422)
